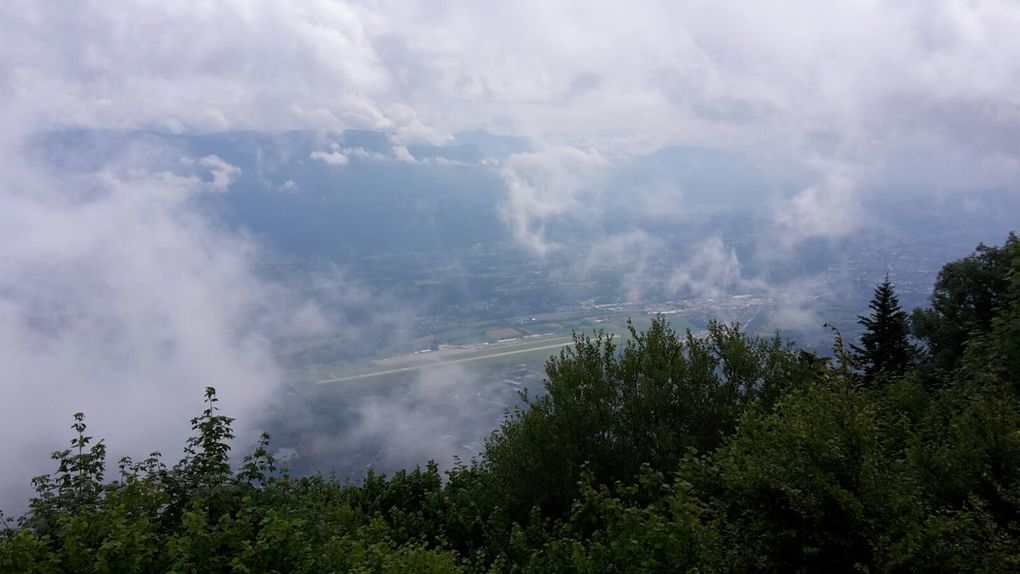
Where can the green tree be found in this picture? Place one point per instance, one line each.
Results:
(967, 296)
(995, 355)
(610, 410)
(885, 350)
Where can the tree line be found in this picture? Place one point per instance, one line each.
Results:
(666, 452)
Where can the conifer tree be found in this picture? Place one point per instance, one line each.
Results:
(885, 349)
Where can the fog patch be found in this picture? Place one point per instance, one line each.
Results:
(117, 298)
(711, 271)
(442, 413)
(829, 209)
(546, 188)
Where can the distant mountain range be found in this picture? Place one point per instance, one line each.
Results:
(316, 194)
(327, 194)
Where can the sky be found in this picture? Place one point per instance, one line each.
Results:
(118, 299)
(854, 95)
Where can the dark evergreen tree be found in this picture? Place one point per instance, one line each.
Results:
(885, 349)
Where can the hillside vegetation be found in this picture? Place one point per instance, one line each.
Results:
(664, 453)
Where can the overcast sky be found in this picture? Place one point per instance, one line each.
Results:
(854, 98)
(852, 81)
(861, 95)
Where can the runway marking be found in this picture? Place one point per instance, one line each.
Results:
(442, 363)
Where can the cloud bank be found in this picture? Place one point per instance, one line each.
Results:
(118, 300)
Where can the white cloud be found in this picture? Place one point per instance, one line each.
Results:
(829, 209)
(118, 300)
(797, 306)
(261, 65)
(362, 153)
(852, 82)
(402, 154)
(332, 158)
(712, 271)
(223, 174)
(630, 256)
(878, 85)
(428, 420)
(546, 186)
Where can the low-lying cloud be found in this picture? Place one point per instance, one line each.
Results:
(118, 299)
(711, 271)
(548, 187)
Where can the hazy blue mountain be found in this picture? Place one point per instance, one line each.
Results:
(700, 177)
(378, 199)
(492, 145)
(296, 204)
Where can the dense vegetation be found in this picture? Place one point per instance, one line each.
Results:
(669, 453)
